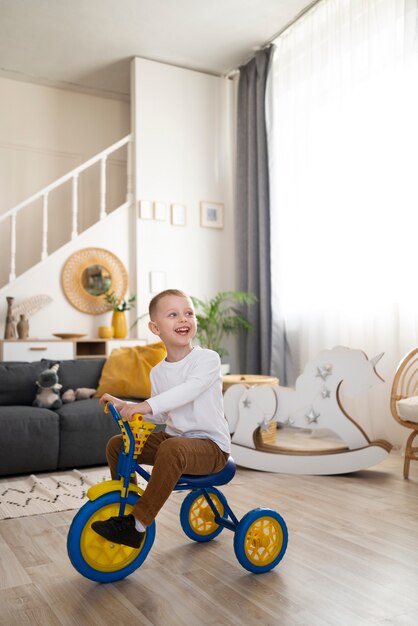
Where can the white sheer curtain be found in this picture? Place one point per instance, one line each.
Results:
(342, 118)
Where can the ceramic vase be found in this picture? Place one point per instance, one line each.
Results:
(10, 329)
(119, 324)
(106, 332)
(23, 327)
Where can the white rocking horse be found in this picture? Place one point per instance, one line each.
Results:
(315, 404)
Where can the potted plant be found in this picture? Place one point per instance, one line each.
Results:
(119, 307)
(221, 316)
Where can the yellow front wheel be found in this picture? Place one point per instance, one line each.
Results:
(260, 540)
(97, 558)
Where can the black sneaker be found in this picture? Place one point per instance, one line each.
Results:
(119, 530)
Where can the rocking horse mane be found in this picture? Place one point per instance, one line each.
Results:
(339, 365)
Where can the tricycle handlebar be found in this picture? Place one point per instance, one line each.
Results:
(134, 433)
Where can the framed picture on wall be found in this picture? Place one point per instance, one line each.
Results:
(145, 210)
(178, 215)
(212, 214)
(160, 211)
(158, 281)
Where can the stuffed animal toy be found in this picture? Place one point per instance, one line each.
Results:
(82, 393)
(48, 394)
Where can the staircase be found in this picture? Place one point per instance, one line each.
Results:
(9, 256)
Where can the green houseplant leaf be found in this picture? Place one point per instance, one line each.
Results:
(117, 304)
(221, 316)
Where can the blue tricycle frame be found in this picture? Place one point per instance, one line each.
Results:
(260, 537)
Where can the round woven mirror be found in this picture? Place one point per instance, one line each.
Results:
(90, 273)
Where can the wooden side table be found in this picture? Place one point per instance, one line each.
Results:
(248, 380)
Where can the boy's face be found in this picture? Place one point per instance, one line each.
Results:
(174, 321)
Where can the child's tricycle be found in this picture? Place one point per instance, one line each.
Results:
(260, 537)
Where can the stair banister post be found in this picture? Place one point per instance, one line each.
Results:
(12, 274)
(74, 205)
(129, 174)
(103, 187)
(44, 252)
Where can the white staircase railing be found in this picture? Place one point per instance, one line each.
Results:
(73, 176)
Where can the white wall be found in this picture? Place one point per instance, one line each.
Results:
(60, 316)
(44, 133)
(182, 120)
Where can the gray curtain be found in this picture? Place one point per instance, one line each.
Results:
(252, 217)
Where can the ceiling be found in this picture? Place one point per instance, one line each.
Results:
(88, 44)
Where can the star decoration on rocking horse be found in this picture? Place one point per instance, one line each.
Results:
(264, 425)
(289, 421)
(323, 371)
(312, 416)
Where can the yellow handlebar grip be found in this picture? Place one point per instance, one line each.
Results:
(137, 417)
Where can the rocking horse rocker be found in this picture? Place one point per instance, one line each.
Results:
(315, 404)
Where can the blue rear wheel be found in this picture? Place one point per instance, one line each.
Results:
(97, 558)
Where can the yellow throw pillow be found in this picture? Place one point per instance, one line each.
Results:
(126, 372)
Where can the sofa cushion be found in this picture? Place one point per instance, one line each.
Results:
(76, 373)
(408, 408)
(29, 440)
(126, 371)
(18, 382)
(84, 432)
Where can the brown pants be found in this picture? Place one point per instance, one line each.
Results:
(171, 457)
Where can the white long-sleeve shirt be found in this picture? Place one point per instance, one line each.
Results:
(187, 397)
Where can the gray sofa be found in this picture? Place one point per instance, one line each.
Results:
(38, 440)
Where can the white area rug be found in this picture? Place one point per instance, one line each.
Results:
(47, 493)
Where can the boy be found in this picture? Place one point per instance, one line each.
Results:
(187, 397)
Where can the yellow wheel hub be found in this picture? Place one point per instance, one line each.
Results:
(100, 553)
(201, 516)
(263, 541)
(207, 514)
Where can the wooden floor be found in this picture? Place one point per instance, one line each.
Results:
(352, 559)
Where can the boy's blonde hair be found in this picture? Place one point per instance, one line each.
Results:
(168, 292)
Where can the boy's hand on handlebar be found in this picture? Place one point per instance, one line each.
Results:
(126, 409)
(130, 409)
(106, 397)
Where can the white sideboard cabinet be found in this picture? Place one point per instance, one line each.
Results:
(60, 349)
